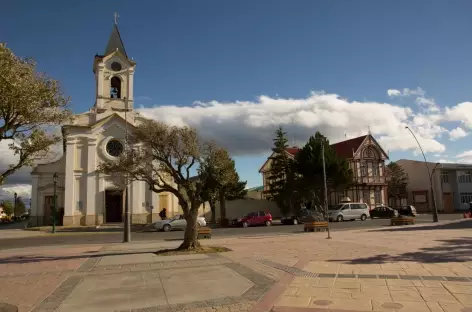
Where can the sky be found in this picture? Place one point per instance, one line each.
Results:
(236, 70)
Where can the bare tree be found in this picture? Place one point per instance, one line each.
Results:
(164, 157)
(31, 103)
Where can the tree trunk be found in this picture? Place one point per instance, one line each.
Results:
(222, 205)
(191, 235)
(213, 211)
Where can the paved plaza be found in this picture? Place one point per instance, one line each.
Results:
(414, 268)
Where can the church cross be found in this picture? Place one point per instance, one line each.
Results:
(115, 15)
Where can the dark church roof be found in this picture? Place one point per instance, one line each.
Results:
(115, 42)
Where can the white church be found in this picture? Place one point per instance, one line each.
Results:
(85, 196)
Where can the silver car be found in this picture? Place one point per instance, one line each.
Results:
(178, 222)
(349, 211)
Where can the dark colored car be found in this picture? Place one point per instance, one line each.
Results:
(304, 215)
(383, 212)
(407, 211)
(295, 219)
(252, 219)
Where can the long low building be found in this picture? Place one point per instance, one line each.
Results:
(452, 185)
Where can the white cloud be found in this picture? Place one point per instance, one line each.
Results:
(247, 127)
(465, 157)
(394, 92)
(413, 92)
(443, 161)
(457, 133)
(406, 92)
(462, 112)
(22, 190)
(428, 105)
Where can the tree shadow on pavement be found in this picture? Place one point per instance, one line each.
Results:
(448, 250)
(459, 225)
(85, 255)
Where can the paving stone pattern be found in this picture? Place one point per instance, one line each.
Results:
(52, 302)
(303, 273)
(261, 284)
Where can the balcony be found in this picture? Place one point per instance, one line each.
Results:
(370, 180)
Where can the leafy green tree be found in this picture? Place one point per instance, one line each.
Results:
(282, 178)
(236, 190)
(309, 166)
(7, 207)
(221, 181)
(30, 102)
(397, 181)
(20, 206)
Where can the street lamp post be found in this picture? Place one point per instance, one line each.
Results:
(126, 221)
(432, 174)
(435, 209)
(14, 205)
(325, 201)
(54, 180)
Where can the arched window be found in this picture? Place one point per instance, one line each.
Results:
(115, 88)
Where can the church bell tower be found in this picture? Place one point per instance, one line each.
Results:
(114, 76)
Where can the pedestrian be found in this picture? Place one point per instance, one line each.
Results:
(163, 214)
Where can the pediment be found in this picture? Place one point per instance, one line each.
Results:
(118, 56)
(111, 120)
(371, 149)
(57, 166)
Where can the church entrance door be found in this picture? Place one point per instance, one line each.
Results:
(113, 206)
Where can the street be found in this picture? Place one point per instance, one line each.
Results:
(115, 235)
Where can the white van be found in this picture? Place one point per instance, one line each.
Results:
(349, 211)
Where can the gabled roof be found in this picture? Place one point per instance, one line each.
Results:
(115, 42)
(347, 148)
(100, 122)
(292, 150)
(344, 149)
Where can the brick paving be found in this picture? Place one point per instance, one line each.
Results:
(415, 268)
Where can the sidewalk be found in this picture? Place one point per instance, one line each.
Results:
(415, 268)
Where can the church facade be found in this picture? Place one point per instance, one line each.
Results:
(84, 195)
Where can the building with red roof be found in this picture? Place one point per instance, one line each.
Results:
(367, 161)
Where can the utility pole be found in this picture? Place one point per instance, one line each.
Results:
(127, 223)
(325, 201)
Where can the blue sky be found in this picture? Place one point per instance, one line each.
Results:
(236, 51)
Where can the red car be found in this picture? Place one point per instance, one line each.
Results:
(253, 218)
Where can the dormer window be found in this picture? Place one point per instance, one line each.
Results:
(115, 88)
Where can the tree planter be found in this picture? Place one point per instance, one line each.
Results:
(204, 232)
(402, 220)
(315, 226)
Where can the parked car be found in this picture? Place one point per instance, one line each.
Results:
(383, 212)
(303, 216)
(253, 218)
(349, 211)
(295, 218)
(178, 222)
(407, 211)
